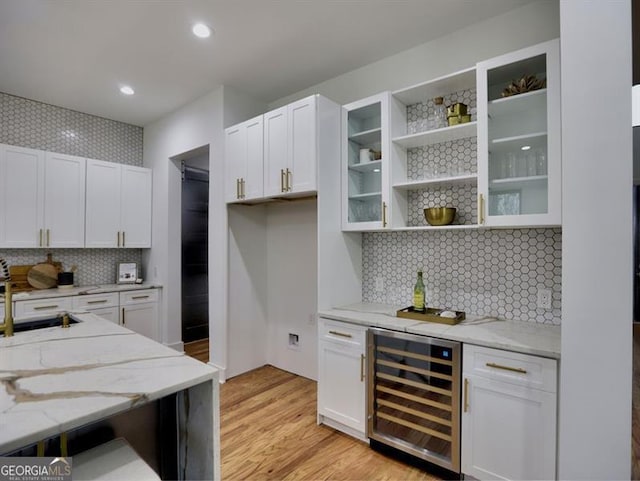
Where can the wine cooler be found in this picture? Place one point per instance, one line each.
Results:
(413, 395)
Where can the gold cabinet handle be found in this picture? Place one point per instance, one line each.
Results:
(242, 188)
(237, 188)
(118, 238)
(43, 308)
(101, 301)
(283, 187)
(40, 237)
(64, 450)
(123, 242)
(289, 180)
(519, 370)
(140, 297)
(481, 209)
(466, 395)
(341, 334)
(361, 367)
(123, 323)
(384, 214)
(48, 238)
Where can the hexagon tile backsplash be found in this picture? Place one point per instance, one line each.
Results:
(482, 272)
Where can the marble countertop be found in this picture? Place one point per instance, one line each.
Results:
(54, 380)
(524, 337)
(78, 291)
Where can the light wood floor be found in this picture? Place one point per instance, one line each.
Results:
(269, 432)
(198, 349)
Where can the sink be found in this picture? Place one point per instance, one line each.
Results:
(41, 324)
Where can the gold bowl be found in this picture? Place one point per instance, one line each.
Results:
(439, 215)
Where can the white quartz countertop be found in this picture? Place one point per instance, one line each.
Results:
(53, 380)
(524, 337)
(78, 291)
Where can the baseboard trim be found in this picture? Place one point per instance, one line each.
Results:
(178, 346)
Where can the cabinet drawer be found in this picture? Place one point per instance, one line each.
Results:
(96, 301)
(143, 296)
(39, 306)
(520, 369)
(342, 333)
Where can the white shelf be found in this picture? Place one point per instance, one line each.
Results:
(520, 103)
(367, 137)
(437, 136)
(514, 183)
(510, 144)
(462, 80)
(438, 227)
(366, 166)
(367, 196)
(420, 184)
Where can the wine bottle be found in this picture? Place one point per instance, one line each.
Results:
(418, 294)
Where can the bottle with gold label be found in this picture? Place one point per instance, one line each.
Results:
(418, 294)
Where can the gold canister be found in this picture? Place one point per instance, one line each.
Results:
(456, 109)
(459, 119)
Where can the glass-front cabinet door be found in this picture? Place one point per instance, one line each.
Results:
(365, 154)
(519, 158)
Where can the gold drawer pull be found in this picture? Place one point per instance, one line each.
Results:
(140, 297)
(466, 394)
(341, 334)
(361, 367)
(101, 301)
(42, 308)
(507, 368)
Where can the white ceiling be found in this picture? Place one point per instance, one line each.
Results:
(76, 53)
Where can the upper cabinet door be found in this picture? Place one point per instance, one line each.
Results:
(64, 200)
(136, 206)
(302, 166)
(235, 155)
(253, 176)
(21, 197)
(275, 152)
(519, 158)
(103, 204)
(365, 164)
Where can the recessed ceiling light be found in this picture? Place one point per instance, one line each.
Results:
(376, 170)
(125, 89)
(201, 30)
(525, 147)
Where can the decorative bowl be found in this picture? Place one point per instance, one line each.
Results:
(439, 215)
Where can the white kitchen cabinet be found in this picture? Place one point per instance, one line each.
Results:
(139, 312)
(508, 415)
(42, 306)
(291, 148)
(365, 180)
(342, 376)
(519, 156)
(105, 305)
(118, 205)
(21, 197)
(64, 200)
(244, 160)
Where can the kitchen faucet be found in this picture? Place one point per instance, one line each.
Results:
(7, 326)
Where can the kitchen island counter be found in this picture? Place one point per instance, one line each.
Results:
(55, 380)
(517, 336)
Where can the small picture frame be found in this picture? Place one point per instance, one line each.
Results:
(127, 272)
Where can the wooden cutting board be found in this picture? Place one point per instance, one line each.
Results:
(43, 276)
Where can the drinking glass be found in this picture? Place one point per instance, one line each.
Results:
(532, 167)
(510, 164)
(541, 162)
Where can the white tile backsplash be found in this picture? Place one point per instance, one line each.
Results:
(485, 272)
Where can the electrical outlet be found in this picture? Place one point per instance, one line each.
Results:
(379, 284)
(544, 298)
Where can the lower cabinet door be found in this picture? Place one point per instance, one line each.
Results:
(141, 318)
(342, 386)
(109, 313)
(508, 431)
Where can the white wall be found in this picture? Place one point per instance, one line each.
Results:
(197, 124)
(595, 376)
(292, 250)
(528, 25)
